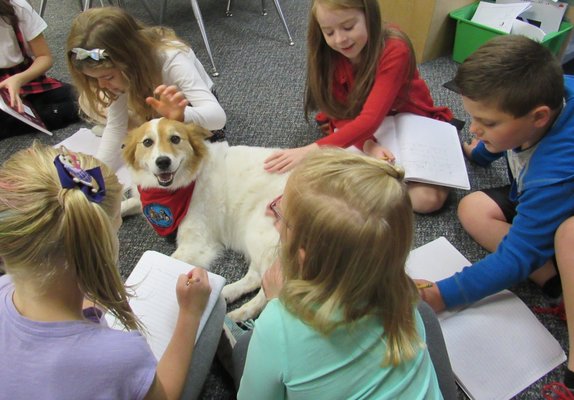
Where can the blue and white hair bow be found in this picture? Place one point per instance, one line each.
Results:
(94, 54)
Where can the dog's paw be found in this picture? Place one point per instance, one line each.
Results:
(241, 314)
(130, 206)
(231, 293)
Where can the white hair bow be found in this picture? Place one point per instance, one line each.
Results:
(94, 54)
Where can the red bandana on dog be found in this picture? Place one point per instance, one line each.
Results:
(165, 208)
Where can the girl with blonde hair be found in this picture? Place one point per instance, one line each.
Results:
(59, 216)
(359, 70)
(128, 73)
(345, 323)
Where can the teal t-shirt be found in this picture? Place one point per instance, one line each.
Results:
(287, 359)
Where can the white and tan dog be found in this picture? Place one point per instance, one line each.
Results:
(227, 209)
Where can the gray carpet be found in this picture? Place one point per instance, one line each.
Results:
(261, 89)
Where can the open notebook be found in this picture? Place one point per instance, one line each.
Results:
(84, 141)
(497, 346)
(429, 150)
(153, 279)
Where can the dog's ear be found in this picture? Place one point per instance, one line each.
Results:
(196, 136)
(198, 131)
(129, 146)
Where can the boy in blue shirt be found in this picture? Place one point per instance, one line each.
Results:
(522, 107)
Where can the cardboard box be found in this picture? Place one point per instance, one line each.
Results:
(426, 22)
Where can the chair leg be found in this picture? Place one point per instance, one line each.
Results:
(162, 7)
(228, 10)
(199, 18)
(278, 8)
(43, 7)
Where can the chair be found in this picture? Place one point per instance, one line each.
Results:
(264, 12)
(199, 18)
(83, 6)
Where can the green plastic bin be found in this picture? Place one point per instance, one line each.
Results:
(470, 36)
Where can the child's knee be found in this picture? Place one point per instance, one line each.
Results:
(427, 199)
(565, 233)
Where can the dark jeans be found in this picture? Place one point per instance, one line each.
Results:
(57, 108)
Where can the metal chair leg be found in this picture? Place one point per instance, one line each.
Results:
(228, 10)
(162, 8)
(43, 7)
(278, 7)
(199, 18)
(263, 10)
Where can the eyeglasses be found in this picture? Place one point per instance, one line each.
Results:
(274, 207)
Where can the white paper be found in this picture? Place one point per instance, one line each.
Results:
(153, 279)
(84, 141)
(525, 29)
(498, 16)
(545, 14)
(429, 150)
(497, 347)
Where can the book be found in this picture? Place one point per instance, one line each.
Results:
(497, 347)
(28, 116)
(428, 150)
(153, 280)
(84, 141)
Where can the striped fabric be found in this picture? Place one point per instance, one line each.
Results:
(39, 85)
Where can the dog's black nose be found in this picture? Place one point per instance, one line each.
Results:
(163, 162)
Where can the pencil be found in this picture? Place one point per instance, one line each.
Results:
(424, 285)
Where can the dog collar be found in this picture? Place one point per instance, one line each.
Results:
(165, 208)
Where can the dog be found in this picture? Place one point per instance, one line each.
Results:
(216, 198)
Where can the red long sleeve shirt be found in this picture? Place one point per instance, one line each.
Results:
(391, 80)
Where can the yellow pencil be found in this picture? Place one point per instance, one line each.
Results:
(424, 285)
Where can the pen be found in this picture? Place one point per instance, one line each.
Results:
(190, 281)
(424, 285)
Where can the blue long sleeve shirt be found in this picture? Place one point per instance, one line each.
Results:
(545, 195)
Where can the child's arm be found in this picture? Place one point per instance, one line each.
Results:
(389, 82)
(266, 362)
(192, 294)
(203, 108)
(42, 63)
(527, 246)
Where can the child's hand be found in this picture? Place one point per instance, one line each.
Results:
(169, 102)
(430, 294)
(467, 148)
(193, 291)
(285, 160)
(273, 280)
(13, 85)
(325, 128)
(373, 149)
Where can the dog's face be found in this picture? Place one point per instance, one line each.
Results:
(165, 153)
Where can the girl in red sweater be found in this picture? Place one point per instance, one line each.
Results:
(359, 71)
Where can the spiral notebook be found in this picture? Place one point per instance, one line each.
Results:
(497, 346)
(153, 279)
